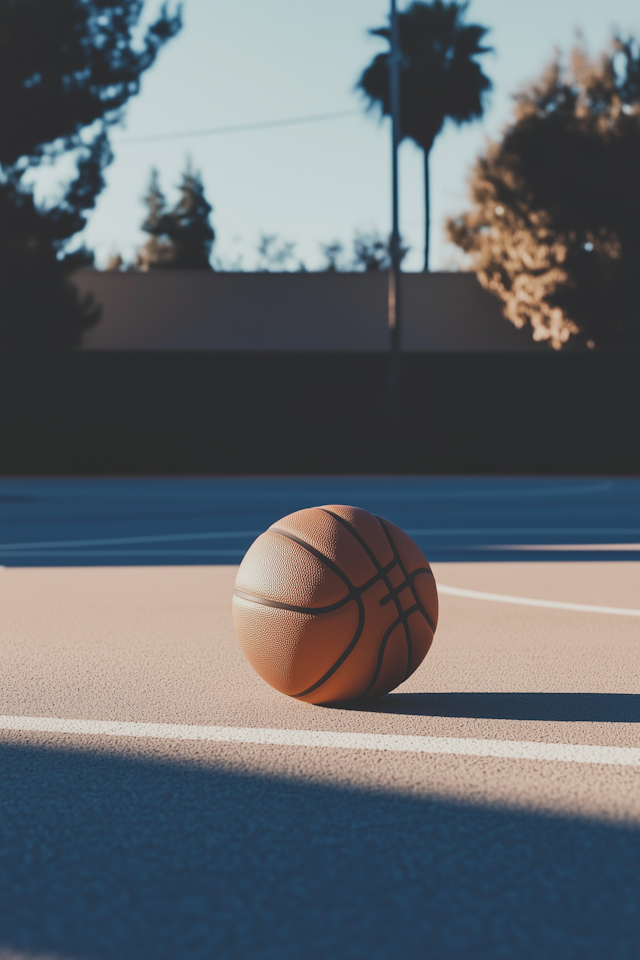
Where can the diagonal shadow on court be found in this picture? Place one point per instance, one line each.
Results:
(111, 858)
(592, 707)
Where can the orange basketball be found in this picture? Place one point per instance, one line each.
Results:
(334, 604)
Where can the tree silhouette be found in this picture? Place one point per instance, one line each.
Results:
(439, 77)
(333, 254)
(276, 254)
(182, 237)
(371, 254)
(194, 235)
(554, 227)
(66, 72)
(158, 250)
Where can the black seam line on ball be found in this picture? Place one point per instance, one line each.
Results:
(263, 601)
(396, 560)
(354, 594)
(353, 590)
(393, 593)
(403, 586)
(382, 571)
(343, 656)
(396, 599)
(363, 543)
(383, 643)
(316, 553)
(412, 587)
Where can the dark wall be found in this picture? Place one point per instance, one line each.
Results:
(315, 311)
(118, 413)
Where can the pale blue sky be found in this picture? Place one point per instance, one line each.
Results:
(243, 61)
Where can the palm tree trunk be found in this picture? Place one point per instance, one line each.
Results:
(427, 211)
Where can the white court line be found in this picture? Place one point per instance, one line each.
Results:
(227, 552)
(563, 547)
(529, 602)
(435, 531)
(521, 531)
(457, 746)
(69, 554)
(442, 588)
(117, 541)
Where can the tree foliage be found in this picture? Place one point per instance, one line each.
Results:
(333, 254)
(67, 68)
(554, 229)
(276, 254)
(371, 254)
(440, 77)
(183, 236)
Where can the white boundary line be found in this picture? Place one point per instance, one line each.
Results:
(70, 554)
(436, 531)
(456, 746)
(496, 597)
(521, 531)
(529, 602)
(120, 541)
(227, 552)
(560, 547)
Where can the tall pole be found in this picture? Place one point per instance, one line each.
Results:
(395, 314)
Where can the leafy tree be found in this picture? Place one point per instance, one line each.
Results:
(182, 237)
(439, 77)
(554, 229)
(370, 252)
(67, 69)
(115, 263)
(276, 254)
(333, 253)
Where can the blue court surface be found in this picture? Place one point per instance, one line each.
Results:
(115, 522)
(160, 801)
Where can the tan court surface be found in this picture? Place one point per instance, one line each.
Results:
(150, 849)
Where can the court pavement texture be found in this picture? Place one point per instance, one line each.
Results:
(122, 834)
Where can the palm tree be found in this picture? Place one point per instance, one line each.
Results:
(440, 77)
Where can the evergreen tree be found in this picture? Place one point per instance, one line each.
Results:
(439, 77)
(67, 70)
(182, 237)
(193, 236)
(158, 251)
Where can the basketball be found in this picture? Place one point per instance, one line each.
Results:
(333, 604)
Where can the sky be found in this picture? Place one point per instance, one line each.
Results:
(249, 61)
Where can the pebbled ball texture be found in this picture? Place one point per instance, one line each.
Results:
(334, 604)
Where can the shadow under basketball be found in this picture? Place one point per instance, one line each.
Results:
(576, 707)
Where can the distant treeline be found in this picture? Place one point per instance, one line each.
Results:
(553, 229)
(182, 237)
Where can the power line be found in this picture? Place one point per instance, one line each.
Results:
(239, 128)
